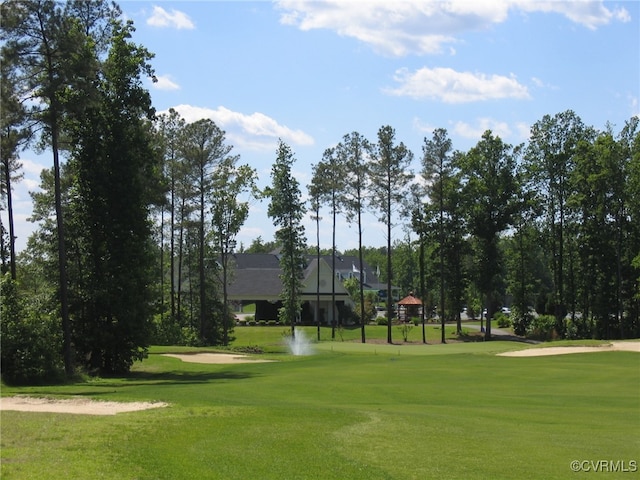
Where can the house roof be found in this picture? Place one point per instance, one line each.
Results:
(256, 261)
(410, 300)
(345, 263)
(257, 275)
(259, 282)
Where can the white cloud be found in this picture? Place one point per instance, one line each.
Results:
(588, 13)
(391, 28)
(450, 86)
(176, 19)
(425, 26)
(467, 130)
(522, 131)
(539, 83)
(633, 101)
(256, 131)
(622, 15)
(32, 168)
(31, 179)
(164, 82)
(248, 234)
(422, 127)
(516, 133)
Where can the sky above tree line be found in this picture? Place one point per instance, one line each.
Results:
(311, 72)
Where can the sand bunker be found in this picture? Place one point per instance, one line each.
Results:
(216, 358)
(539, 352)
(81, 406)
(86, 406)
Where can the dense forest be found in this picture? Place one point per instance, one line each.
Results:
(139, 212)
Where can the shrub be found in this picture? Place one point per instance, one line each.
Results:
(521, 322)
(370, 312)
(502, 320)
(190, 336)
(30, 340)
(165, 331)
(405, 328)
(381, 320)
(542, 327)
(251, 349)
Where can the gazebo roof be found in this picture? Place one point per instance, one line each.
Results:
(410, 300)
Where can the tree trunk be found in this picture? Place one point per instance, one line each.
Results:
(62, 254)
(202, 288)
(180, 261)
(54, 113)
(490, 312)
(172, 251)
(442, 313)
(422, 288)
(162, 263)
(360, 259)
(225, 308)
(389, 269)
(317, 309)
(12, 238)
(333, 268)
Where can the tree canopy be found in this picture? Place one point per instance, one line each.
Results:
(138, 208)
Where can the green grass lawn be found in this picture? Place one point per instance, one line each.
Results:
(270, 336)
(350, 411)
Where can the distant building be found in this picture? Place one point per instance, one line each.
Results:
(255, 278)
(409, 307)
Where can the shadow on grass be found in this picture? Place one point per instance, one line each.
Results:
(178, 377)
(477, 336)
(470, 337)
(109, 385)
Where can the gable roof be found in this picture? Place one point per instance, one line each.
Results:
(256, 261)
(257, 275)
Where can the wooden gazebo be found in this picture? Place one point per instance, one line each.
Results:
(408, 307)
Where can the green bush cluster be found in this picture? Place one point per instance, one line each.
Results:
(251, 321)
(166, 331)
(30, 340)
(542, 327)
(521, 322)
(502, 320)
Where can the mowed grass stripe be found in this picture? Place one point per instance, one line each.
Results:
(341, 414)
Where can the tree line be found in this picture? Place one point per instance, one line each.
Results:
(136, 226)
(551, 226)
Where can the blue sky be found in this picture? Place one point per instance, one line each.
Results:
(311, 72)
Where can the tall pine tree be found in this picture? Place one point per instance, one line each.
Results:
(287, 211)
(117, 178)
